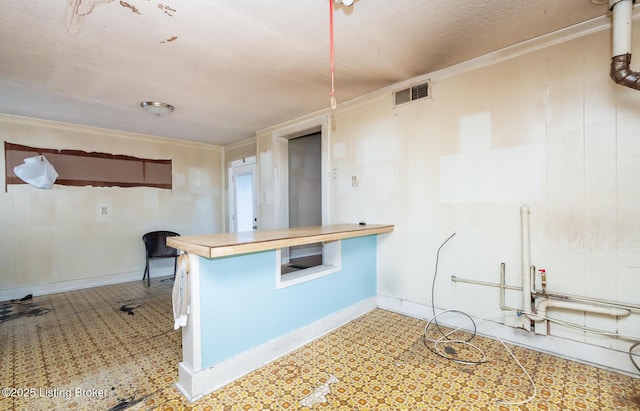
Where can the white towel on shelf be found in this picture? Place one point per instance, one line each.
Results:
(181, 292)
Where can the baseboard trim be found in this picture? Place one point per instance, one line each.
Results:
(590, 354)
(195, 385)
(78, 284)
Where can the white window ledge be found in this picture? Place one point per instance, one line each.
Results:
(331, 263)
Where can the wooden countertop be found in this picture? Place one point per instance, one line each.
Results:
(226, 244)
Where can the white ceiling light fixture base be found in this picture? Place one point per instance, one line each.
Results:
(347, 3)
(156, 107)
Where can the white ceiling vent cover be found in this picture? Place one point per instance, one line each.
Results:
(413, 93)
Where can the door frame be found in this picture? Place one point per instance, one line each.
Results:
(308, 249)
(242, 166)
(281, 142)
(281, 137)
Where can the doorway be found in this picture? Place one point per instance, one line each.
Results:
(305, 196)
(243, 202)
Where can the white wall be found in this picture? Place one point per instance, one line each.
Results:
(544, 127)
(55, 239)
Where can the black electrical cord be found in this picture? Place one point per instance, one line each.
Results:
(445, 336)
(435, 274)
(635, 364)
(434, 320)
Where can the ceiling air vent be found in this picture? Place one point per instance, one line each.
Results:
(417, 92)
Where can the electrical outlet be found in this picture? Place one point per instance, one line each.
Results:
(334, 173)
(354, 181)
(103, 212)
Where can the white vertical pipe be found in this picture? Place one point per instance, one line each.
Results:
(526, 258)
(541, 308)
(622, 11)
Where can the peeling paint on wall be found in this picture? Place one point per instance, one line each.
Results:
(130, 7)
(83, 8)
(170, 39)
(167, 10)
(78, 10)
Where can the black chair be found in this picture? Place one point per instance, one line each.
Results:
(155, 243)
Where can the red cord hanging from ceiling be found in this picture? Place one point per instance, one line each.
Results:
(332, 99)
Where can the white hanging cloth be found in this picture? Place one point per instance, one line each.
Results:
(181, 293)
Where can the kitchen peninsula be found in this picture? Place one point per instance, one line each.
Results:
(244, 312)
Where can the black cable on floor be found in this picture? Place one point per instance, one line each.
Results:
(434, 320)
(635, 364)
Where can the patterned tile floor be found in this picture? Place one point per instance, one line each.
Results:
(113, 348)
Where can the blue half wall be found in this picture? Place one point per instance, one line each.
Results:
(242, 309)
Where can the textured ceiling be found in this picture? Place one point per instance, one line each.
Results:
(236, 66)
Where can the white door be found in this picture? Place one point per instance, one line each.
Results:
(243, 195)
